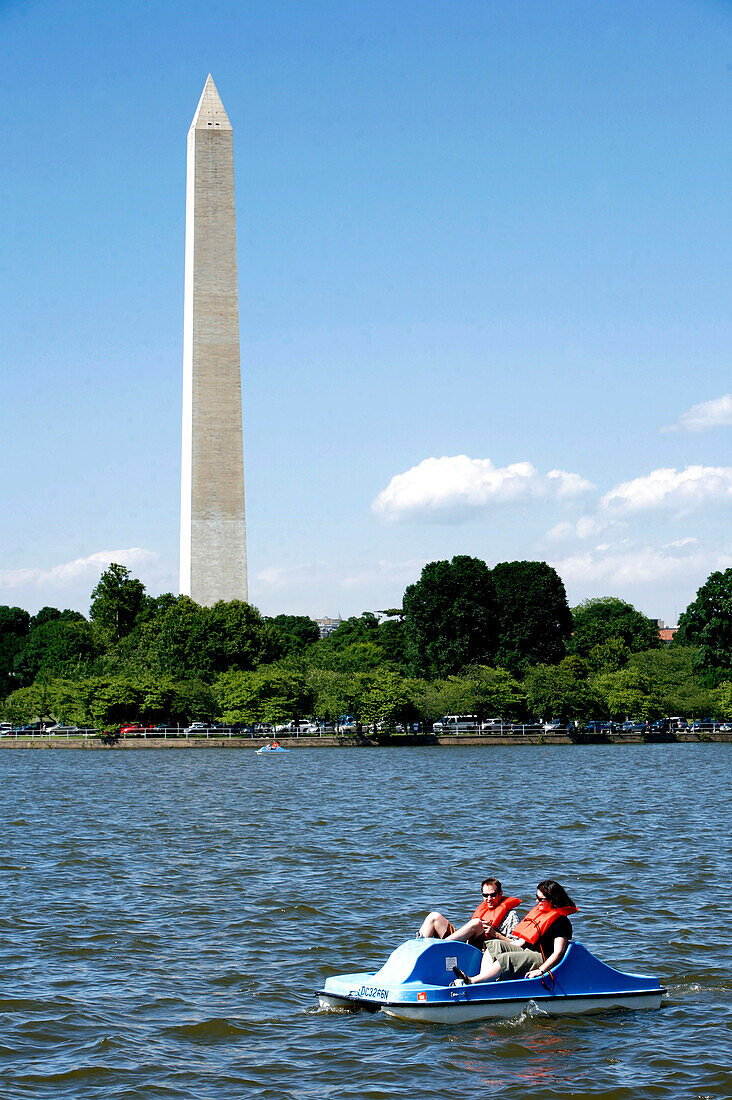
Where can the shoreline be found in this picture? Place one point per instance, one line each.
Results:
(353, 742)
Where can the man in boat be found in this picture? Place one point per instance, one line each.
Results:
(495, 913)
(537, 943)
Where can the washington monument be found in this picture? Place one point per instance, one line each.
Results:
(213, 549)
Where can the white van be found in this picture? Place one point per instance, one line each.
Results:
(457, 723)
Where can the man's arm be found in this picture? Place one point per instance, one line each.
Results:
(503, 932)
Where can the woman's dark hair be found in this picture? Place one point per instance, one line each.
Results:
(554, 893)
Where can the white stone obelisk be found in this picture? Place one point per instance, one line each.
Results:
(213, 551)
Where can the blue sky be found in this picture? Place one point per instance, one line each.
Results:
(484, 291)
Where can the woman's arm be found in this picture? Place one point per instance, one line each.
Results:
(560, 946)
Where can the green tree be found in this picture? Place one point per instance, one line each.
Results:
(14, 624)
(361, 628)
(186, 641)
(336, 693)
(603, 618)
(497, 694)
(293, 633)
(191, 701)
(108, 700)
(629, 693)
(57, 646)
(535, 620)
(393, 642)
(115, 603)
(561, 691)
(356, 657)
(53, 614)
(673, 681)
(25, 705)
(387, 700)
(237, 637)
(612, 655)
(451, 617)
(707, 624)
(435, 698)
(268, 694)
(723, 700)
(172, 643)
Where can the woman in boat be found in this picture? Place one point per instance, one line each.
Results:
(535, 945)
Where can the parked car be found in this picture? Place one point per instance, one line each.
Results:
(457, 723)
(305, 729)
(203, 727)
(597, 727)
(297, 727)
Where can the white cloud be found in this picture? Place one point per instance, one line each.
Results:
(345, 587)
(618, 566)
(690, 540)
(678, 490)
(450, 489)
(70, 583)
(61, 576)
(586, 527)
(384, 572)
(716, 413)
(562, 531)
(282, 578)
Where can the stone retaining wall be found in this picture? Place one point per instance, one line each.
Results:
(351, 742)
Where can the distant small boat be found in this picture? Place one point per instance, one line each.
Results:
(267, 749)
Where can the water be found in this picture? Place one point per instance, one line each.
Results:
(167, 916)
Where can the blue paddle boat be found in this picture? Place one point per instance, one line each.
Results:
(267, 749)
(414, 984)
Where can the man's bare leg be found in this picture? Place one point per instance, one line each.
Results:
(474, 927)
(434, 927)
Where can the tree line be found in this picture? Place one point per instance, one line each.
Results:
(467, 640)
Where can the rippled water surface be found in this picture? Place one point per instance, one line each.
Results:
(168, 914)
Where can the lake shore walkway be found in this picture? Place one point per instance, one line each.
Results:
(349, 741)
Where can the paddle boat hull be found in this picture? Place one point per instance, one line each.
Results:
(266, 750)
(414, 984)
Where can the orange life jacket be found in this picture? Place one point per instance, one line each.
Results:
(498, 913)
(540, 919)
